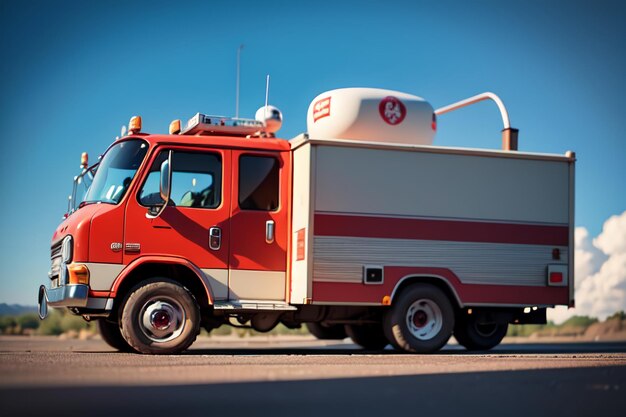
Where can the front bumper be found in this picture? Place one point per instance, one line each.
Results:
(72, 295)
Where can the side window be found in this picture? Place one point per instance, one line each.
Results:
(258, 183)
(196, 180)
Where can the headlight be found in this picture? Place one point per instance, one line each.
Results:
(67, 249)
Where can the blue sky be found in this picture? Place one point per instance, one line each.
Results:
(74, 73)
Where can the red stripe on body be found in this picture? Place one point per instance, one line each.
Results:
(448, 230)
(341, 292)
(100, 294)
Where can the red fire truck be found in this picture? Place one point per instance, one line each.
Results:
(360, 228)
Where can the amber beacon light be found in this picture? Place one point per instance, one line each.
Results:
(175, 127)
(134, 126)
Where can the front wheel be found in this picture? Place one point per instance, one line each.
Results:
(111, 334)
(159, 316)
(475, 333)
(421, 321)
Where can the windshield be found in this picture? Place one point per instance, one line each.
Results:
(116, 171)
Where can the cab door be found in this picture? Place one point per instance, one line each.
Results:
(196, 225)
(259, 223)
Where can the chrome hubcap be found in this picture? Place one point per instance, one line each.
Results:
(424, 319)
(162, 319)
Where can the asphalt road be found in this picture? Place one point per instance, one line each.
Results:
(304, 377)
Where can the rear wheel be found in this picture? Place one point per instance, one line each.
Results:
(332, 332)
(476, 333)
(368, 336)
(112, 335)
(159, 316)
(421, 321)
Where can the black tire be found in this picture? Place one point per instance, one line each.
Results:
(160, 317)
(473, 333)
(333, 332)
(112, 335)
(368, 336)
(431, 315)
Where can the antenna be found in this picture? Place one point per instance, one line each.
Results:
(238, 71)
(267, 93)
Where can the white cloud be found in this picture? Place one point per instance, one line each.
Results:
(600, 271)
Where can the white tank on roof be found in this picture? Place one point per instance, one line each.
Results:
(371, 114)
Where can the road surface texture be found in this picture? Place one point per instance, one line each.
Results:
(300, 376)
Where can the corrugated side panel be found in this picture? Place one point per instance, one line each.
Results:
(341, 259)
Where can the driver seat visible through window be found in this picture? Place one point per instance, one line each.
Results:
(196, 180)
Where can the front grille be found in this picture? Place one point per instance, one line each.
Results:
(55, 255)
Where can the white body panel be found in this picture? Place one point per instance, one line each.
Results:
(303, 163)
(424, 183)
(395, 182)
(102, 276)
(256, 285)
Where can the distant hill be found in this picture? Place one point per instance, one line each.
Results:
(15, 309)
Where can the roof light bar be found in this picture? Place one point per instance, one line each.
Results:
(202, 124)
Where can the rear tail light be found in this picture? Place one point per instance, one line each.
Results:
(557, 275)
(556, 278)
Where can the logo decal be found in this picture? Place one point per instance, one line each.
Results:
(392, 110)
(321, 108)
(116, 246)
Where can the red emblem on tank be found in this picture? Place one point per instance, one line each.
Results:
(392, 110)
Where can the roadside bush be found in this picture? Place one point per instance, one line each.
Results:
(620, 315)
(7, 323)
(77, 323)
(61, 321)
(51, 325)
(28, 321)
(579, 321)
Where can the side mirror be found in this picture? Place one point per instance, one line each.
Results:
(165, 184)
(165, 187)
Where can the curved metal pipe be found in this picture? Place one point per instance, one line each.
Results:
(509, 134)
(475, 99)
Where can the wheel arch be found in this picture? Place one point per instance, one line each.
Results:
(177, 269)
(433, 279)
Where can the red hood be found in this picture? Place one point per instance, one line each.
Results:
(78, 225)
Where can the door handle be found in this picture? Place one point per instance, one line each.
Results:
(269, 231)
(215, 238)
